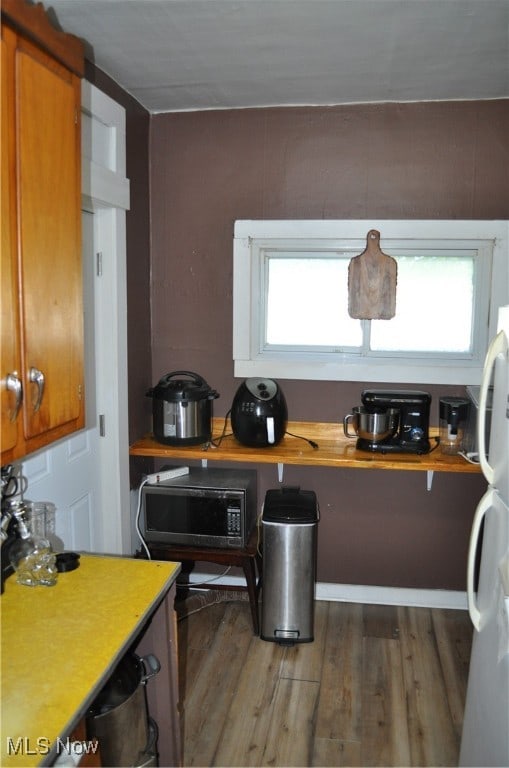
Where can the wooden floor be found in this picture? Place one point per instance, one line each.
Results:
(379, 686)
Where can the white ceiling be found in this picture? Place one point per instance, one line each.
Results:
(176, 55)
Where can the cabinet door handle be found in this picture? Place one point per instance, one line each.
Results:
(13, 384)
(37, 377)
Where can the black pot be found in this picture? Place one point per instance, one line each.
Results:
(182, 409)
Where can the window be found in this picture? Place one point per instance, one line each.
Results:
(291, 300)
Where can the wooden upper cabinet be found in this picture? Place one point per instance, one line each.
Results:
(48, 112)
(10, 383)
(42, 291)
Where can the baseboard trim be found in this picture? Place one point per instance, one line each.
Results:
(360, 593)
(419, 598)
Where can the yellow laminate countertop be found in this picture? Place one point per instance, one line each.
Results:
(59, 645)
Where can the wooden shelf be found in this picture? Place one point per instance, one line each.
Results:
(334, 450)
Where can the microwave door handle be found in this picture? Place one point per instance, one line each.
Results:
(497, 346)
(482, 508)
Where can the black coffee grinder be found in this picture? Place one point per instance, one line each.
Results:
(412, 433)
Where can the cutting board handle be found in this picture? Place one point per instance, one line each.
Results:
(373, 241)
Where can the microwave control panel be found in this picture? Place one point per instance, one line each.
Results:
(233, 519)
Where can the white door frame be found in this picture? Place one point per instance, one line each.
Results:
(105, 191)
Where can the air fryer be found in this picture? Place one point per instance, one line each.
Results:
(259, 414)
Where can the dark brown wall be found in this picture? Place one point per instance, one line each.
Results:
(423, 161)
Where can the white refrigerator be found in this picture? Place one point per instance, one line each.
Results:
(485, 737)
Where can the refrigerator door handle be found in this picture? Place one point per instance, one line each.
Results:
(498, 346)
(484, 505)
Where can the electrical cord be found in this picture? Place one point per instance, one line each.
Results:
(9, 482)
(138, 512)
(471, 456)
(301, 437)
(217, 443)
(194, 584)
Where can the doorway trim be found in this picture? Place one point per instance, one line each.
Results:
(105, 191)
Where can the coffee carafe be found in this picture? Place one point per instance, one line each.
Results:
(453, 415)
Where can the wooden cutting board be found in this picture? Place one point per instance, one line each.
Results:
(372, 278)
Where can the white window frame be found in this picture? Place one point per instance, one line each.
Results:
(492, 291)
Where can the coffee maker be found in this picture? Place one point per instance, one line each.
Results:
(453, 415)
(410, 432)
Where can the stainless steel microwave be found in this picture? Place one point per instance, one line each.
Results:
(207, 507)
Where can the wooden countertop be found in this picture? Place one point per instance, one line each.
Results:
(334, 450)
(59, 645)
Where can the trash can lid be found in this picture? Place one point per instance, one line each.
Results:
(290, 505)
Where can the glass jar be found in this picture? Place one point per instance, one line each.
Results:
(31, 555)
(40, 517)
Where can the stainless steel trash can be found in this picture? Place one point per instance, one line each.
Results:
(290, 527)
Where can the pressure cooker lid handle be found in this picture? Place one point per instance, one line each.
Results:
(198, 379)
(190, 390)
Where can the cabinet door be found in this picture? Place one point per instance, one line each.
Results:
(48, 152)
(9, 351)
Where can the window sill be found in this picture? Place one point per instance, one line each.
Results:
(373, 371)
